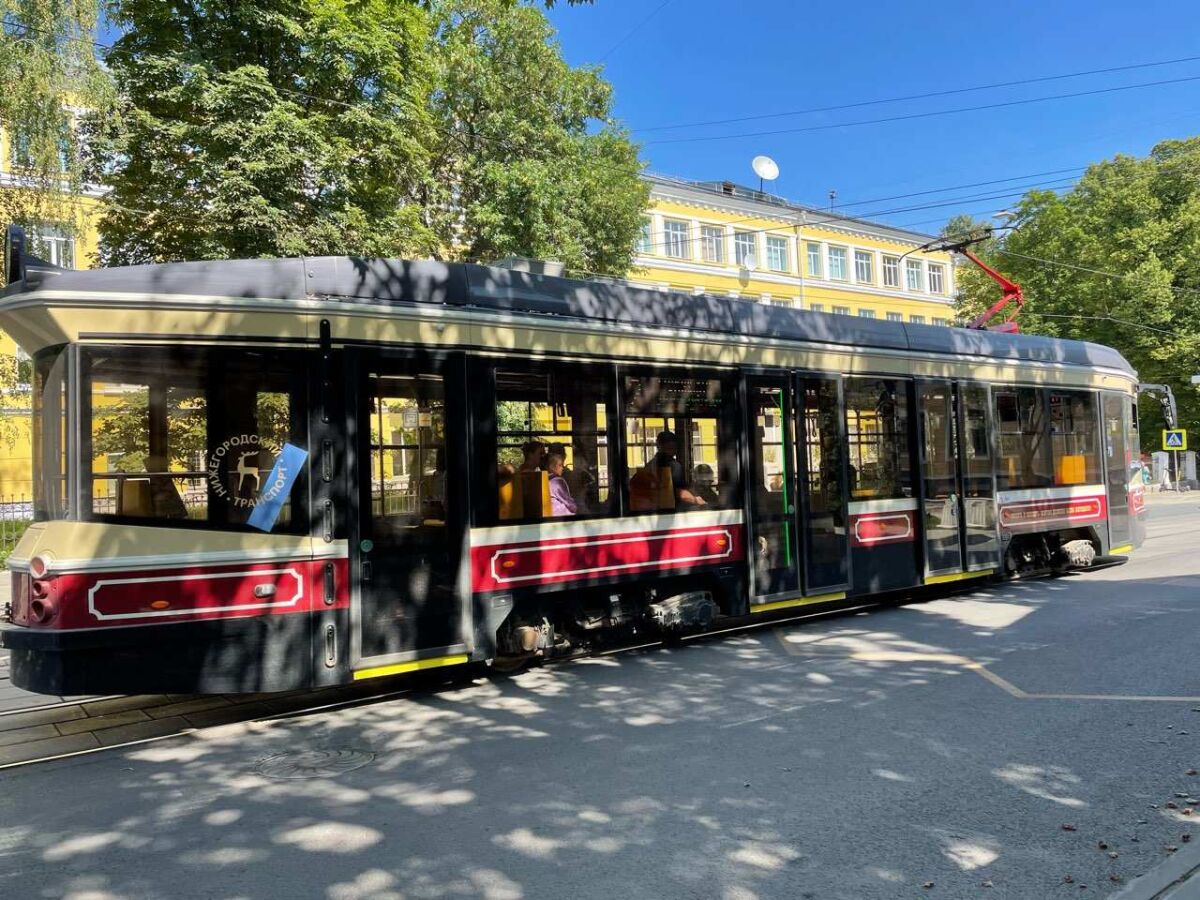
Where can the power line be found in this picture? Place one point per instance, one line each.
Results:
(926, 96)
(1093, 271)
(927, 115)
(632, 31)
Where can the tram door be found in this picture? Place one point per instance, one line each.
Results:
(957, 478)
(824, 511)
(405, 556)
(774, 548)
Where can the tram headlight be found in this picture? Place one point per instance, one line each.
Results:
(41, 609)
(39, 566)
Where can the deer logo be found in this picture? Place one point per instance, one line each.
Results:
(244, 471)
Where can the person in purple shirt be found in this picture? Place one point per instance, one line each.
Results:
(561, 501)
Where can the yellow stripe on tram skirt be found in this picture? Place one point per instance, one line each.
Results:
(1121, 551)
(958, 576)
(415, 665)
(799, 601)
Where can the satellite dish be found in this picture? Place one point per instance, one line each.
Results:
(749, 262)
(765, 168)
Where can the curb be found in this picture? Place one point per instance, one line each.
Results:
(1178, 878)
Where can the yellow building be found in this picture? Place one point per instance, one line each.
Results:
(721, 238)
(68, 244)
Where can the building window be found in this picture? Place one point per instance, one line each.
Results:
(52, 244)
(841, 310)
(781, 301)
(712, 243)
(937, 283)
(891, 271)
(895, 317)
(679, 444)
(777, 253)
(917, 320)
(745, 244)
(675, 239)
(837, 263)
(817, 307)
(862, 267)
(645, 241)
(550, 425)
(814, 259)
(877, 432)
(943, 322)
(912, 274)
(866, 313)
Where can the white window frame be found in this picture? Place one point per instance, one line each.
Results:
(891, 271)
(916, 319)
(937, 278)
(913, 275)
(777, 244)
(937, 320)
(864, 258)
(53, 244)
(712, 243)
(841, 310)
(864, 313)
(645, 239)
(739, 247)
(895, 317)
(812, 250)
(816, 307)
(677, 244)
(845, 263)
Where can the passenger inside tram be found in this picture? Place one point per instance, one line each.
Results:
(667, 460)
(561, 501)
(703, 484)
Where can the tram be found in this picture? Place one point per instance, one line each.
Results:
(263, 475)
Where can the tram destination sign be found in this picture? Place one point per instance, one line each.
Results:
(1174, 438)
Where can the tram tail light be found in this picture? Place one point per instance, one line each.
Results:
(41, 609)
(39, 589)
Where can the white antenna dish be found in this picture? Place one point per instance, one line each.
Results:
(765, 168)
(749, 262)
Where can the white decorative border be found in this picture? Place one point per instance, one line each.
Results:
(552, 529)
(1053, 493)
(319, 550)
(900, 504)
(596, 570)
(112, 617)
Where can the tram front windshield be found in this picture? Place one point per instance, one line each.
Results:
(195, 437)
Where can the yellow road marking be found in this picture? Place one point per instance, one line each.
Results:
(1120, 551)
(798, 601)
(414, 666)
(958, 576)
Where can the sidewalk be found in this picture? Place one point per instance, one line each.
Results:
(1176, 879)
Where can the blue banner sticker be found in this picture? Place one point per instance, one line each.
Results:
(279, 485)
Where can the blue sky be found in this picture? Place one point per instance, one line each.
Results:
(700, 60)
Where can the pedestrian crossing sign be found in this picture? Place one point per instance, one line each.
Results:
(1174, 438)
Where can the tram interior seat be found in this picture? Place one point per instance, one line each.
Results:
(154, 496)
(651, 488)
(521, 494)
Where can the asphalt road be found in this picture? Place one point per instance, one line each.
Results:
(981, 746)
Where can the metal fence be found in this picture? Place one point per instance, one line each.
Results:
(16, 512)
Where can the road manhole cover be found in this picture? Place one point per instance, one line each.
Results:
(313, 763)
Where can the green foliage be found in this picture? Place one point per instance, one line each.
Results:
(1137, 219)
(449, 128)
(48, 69)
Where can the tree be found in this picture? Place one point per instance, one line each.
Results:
(1116, 260)
(49, 70)
(516, 170)
(449, 128)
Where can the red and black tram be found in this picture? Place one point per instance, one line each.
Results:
(264, 475)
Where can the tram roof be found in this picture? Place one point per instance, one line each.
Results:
(508, 291)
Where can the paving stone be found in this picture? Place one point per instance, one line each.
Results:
(11, 721)
(100, 723)
(33, 750)
(196, 704)
(120, 704)
(239, 712)
(140, 731)
(21, 735)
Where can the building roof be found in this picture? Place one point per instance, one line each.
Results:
(747, 198)
(505, 292)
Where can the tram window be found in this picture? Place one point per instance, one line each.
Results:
(552, 443)
(1024, 460)
(193, 437)
(877, 433)
(1074, 427)
(679, 448)
(50, 435)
